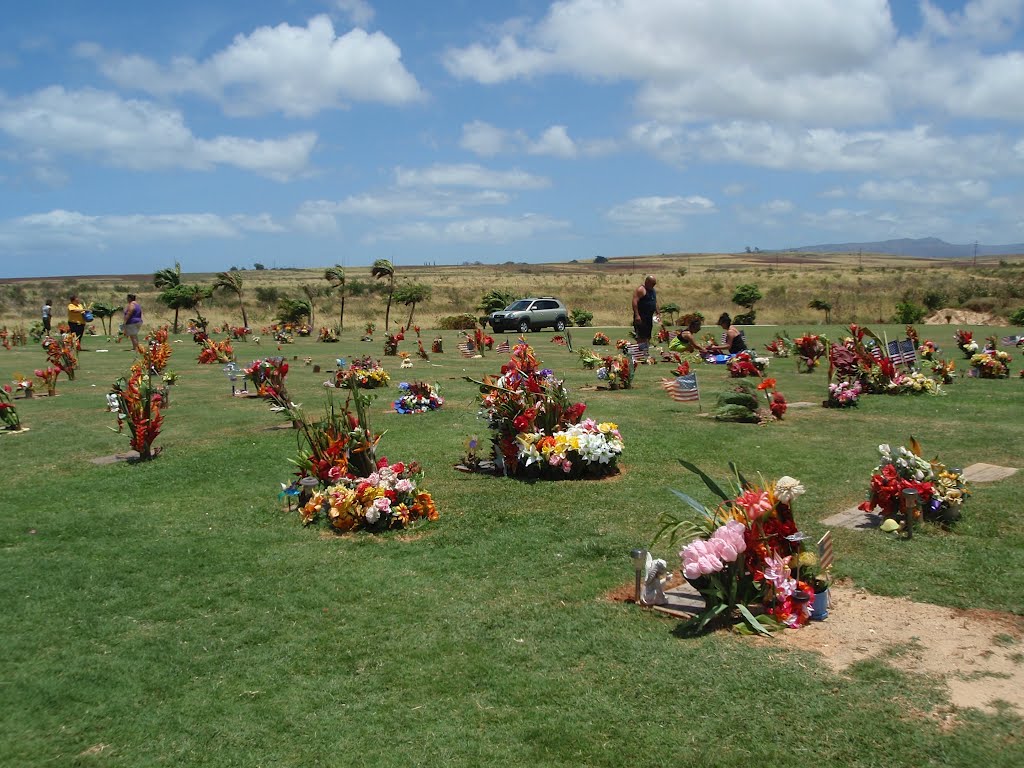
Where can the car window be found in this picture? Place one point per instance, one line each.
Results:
(546, 304)
(517, 306)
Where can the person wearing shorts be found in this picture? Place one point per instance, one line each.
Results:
(76, 317)
(645, 304)
(133, 322)
(47, 316)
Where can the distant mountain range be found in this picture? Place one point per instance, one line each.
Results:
(924, 247)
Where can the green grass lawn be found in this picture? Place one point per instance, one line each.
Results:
(171, 613)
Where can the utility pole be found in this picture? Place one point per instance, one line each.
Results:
(975, 253)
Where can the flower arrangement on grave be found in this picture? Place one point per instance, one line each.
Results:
(8, 412)
(621, 344)
(538, 430)
(663, 334)
(417, 397)
(421, 351)
(741, 402)
(941, 490)
(239, 333)
(391, 342)
(437, 346)
(48, 376)
(268, 376)
(965, 342)
(746, 551)
(781, 345)
(617, 371)
(589, 358)
(601, 340)
(351, 489)
(5, 338)
(215, 351)
(23, 384)
(885, 379)
(62, 353)
(366, 372)
(843, 394)
(992, 364)
(928, 349)
(137, 403)
(810, 348)
(327, 335)
(943, 370)
(157, 353)
(284, 336)
(169, 377)
(741, 366)
(368, 330)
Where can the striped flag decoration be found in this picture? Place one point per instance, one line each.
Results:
(682, 389)
(902, 352)
(467, 348)
(636, 353)
(876, 351)
(1011, 341)
(825, 551)
(504, 346)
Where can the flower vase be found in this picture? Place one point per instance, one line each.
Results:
(51, 391)
(819, 607)
(28, 393)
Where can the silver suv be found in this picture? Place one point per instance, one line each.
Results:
(530, 314)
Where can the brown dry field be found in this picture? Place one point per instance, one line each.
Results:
(862, 289)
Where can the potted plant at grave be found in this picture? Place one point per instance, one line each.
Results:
(48, 376)
(8, 413)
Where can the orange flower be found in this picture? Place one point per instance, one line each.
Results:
(766, 384)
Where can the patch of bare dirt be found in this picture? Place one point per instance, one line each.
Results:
(978, 654)
(961, 317)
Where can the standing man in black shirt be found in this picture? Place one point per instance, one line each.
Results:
(645, 304)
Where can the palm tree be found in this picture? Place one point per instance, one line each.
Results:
(310, 291)
(166, 279)
(670, 309)
(232, 281)
(336, 277)
(384, 268)
(822, 306)
(411, 295)
(180, 297)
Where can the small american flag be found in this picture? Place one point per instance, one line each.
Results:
(825, 555)
(1011, 341)
(467, 348)
(902, 352)
(682, 389)
(876, 351)
(636, 353)
(504, 346)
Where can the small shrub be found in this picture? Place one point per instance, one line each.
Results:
(746, 318)
(581, 317)
(461, 322)
(1017, 318)
(908, 312)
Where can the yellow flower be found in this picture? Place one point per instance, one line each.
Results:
(606, 427)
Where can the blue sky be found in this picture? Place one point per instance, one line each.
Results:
(313, 132)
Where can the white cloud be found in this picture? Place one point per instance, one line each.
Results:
(72, 229)
(403, 204)
(984, 20)
(484, 139)
(494, 230)
(358, 12)
(728, 58)
(917, 150)
(658, 214)
(468, 175)
(938, 193)
(554, 141)
(140, 135)
(298, 71)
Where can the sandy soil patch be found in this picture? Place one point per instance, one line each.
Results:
(978, 654)
(961, 317)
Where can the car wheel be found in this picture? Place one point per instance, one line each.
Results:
(559, 325)
(524, 327)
